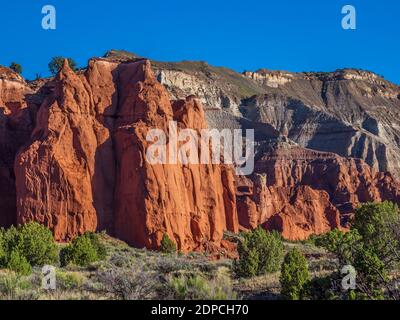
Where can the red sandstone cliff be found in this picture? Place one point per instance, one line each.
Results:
(302, 192)
(84, 168)
(56, 179)
(77, 163)
(17, 112)
(194, 204)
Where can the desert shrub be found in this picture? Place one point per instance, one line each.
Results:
(37, 244)
(349, 248)
(69, 280)
(19, 264)
(321, 288)
(378, 254)
(260, 252)
(167, 245)
(344, 245)
(198, 287)
(13, 286)
(32, 241)
(169, 264)
(16, 67)
(294, 275)
(193, 287)
(120, 259)
(11, 241)
(134, 283)
(56, 64)
(379, 228)
(97, 244)
(83, 251)
(9, 284)
(80, 252)
(329, 287)
(372, 247)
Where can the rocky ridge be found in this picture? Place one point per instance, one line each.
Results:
(83, 168)
(73, 151)
(353, 113)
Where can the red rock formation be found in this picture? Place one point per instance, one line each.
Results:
(84, 168)
(302, 192)
(65, 175)
(16, 122)
(194, 204)
(81, 167)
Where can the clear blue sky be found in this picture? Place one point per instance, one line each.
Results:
(243, 35)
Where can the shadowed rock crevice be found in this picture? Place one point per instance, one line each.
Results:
(18, 108)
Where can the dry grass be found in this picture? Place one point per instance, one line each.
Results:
(268, 287)
(129, 273)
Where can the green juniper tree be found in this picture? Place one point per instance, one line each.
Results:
(56, 64)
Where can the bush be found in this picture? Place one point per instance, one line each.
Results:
(83, 251)
(260, 252)
(37, 244)
(32, 241)
(294, 275)
(321, 288)
(16, 67)
(379, 225)
(13, 286)
(378, 252)
(371, 247)
(344, 245)
(69, 280)
(198, 287)
(135, 283)
(99, 247)
(167, 245)
(57, 63)
(19, 264)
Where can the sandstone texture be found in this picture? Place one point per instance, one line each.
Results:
(17, 114)
(84, 166)
(302, 192)
(63, 180)
(194, 204)
(73, 150)
(352, 113)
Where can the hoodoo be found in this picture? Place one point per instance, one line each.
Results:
(84, 167)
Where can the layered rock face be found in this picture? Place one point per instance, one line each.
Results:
(73, 151)
(302, 192)
(64, 175)
(219, 89)
(349, 112)
(85, 168)
(194, 204)
(17, 113)
(353, 113)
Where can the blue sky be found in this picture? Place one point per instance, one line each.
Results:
(242, 35)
